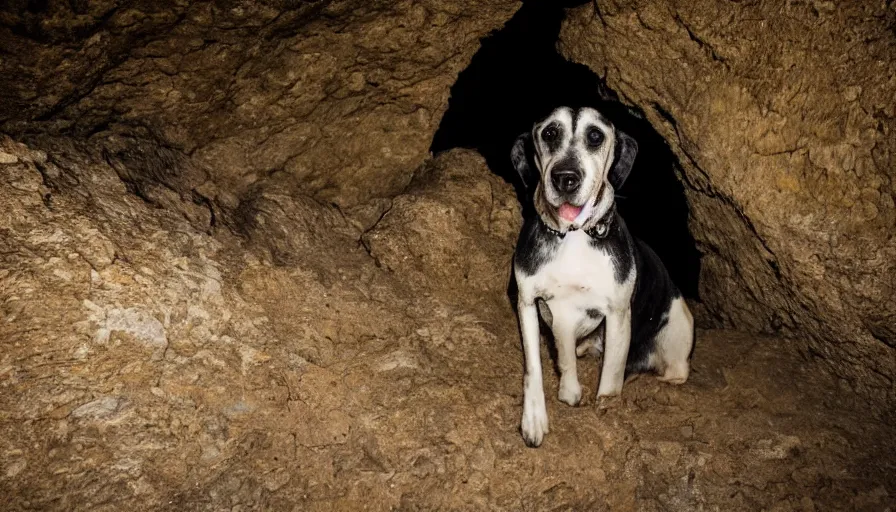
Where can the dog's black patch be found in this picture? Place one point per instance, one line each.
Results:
(651, 300)
(623, 159)
(593, 313)
(521, 156)
(535, 246)
(618, 244)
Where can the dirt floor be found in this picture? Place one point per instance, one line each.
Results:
(313, 359)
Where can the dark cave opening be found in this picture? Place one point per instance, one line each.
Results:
(518, 77)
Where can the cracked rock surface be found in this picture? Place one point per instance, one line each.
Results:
(782, 116)
(233, 278)
(336, 98)
(151, 364)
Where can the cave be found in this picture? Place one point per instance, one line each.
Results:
(255, 255)
(517, 78)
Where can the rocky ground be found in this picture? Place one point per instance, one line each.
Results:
(159, 354)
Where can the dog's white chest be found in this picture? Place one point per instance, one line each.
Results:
(578, 275)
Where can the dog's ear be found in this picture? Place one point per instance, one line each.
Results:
(624, 156)
(519, 156)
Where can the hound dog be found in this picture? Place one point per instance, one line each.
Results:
(577, 265)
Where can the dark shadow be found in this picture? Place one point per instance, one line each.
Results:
(517, 78)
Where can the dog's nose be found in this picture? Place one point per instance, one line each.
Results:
(565, 181)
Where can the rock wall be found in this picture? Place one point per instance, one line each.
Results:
(336, 98)
(232, 279)
(782, 115)
(148, 362)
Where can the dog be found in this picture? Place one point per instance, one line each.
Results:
(577, 267)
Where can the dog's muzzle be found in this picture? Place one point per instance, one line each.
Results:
(566, 181)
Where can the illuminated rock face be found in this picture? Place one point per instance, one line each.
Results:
(782, 118)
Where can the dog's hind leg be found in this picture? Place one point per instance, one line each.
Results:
(674, 344)
(616, 345)
(593, 343)
(570, 390)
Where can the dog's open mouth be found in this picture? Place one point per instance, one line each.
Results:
(569, 212)
(576, 216)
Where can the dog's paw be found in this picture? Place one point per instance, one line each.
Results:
(570, 393)
(534, 425)
(593, 348)
(609, 389)
(675, 373)
(606, 403)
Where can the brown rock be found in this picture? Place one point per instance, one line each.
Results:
(231, 279)
(339, 98)
(454, 223)
(787, 146)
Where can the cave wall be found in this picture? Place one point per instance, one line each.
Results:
(146, 364)
(339, 99)
(782, 116)
(325, 355)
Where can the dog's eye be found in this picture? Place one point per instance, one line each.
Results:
(549, 133)
(595, 137)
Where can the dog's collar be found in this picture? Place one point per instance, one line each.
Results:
(599, 230)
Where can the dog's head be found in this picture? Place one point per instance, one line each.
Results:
(579, 161)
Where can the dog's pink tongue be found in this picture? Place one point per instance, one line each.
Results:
(569, 212)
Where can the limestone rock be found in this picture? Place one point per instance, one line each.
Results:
(782, 116)
(337, 98)
(454, 223)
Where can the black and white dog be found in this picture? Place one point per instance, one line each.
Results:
(577, 265)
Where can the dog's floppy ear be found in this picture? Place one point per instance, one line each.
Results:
(624, 156)
(519, 156)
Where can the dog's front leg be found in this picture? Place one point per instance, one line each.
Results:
(616, 342)
(534, 424)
